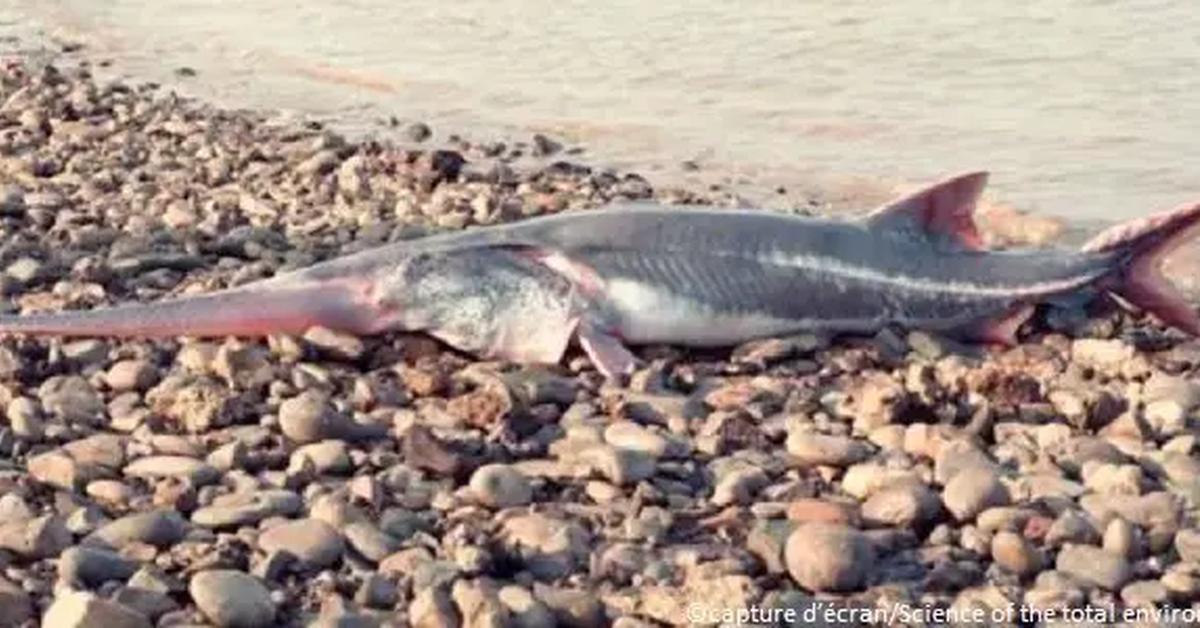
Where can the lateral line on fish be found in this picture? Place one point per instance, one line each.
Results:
(909, 282)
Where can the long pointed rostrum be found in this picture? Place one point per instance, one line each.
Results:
(255, 310)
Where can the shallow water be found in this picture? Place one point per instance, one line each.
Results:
(1084, 109)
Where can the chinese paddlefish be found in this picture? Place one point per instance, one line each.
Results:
(638, 274)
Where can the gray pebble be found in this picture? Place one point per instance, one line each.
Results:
(92, 566)
(314, 542)
(829, 557)
(232, 599)
(972, 491)
(1094, 566)
(500, 486)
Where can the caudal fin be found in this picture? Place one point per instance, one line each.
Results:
(1142, 245)
(249, 311)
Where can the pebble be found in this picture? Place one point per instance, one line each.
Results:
(232, 599)
(1113, 479)
(549, 547)
(1187, 545)
(92, 566)
(1016, 555)
(1072, 527)
(823, 511)
(739, 486)
(862, 480)
(620, 466)
(85, 610)
(417, 132)
(248, 508)
(1121, 539)
(16, 607)
(327, 457)
(500, 486)
(972, 491)
(44, 537)
(433, 608)
(151, 604)
(59, 469)
(25, 419)
(314, 542)
(129, 375)
(811, 449)
(829, 557)
(630, 435)
(1094, 566)
(905, 505)
(377, 592)
(160, 528)
(1104, 355)
(196, 472)
(335, 344)
(526, 610)
(767, 540)
(71, 399)
(1149, 594)
(479, 604)
(369, 541)
(310, 417)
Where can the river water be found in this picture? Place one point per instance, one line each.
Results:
(1087, 110)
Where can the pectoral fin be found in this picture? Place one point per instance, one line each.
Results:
(606, 350)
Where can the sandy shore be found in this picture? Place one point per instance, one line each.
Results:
(328, 480)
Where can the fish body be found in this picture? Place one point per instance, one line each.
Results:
(705, 277)
(693, 276)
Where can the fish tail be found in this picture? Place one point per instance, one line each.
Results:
(1140, 247)
(255, 310)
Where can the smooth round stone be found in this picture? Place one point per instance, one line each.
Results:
(1121, 539)
(196, 471)
(1187, 543)
(327, 456)
(368, 540)
(1013, 553)
(80, 609)
(1145, 594)
(92, 566)
(630, 435)
(500, 486)
(739, 486)
(1095, 566)
(232, 599)
(620, 466)
(972, 491)
(131, 375)
(812, 449)
(158, 527)
(829, 557)
(311, 540)
(239, 509)
(310, 417)
(111, 491)
(905, 504)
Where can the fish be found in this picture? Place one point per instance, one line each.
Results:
(625, 275)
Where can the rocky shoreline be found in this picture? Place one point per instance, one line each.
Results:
(327, 480)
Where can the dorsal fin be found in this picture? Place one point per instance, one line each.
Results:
(945, 209)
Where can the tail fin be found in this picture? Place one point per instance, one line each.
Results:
(254, 310)
(1147, 242)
